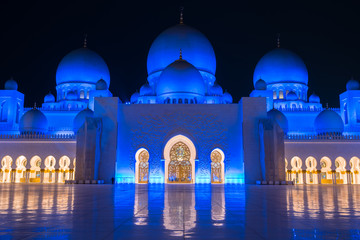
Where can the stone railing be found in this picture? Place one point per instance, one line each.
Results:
(38, 136)
(305, 109)
(330, 136)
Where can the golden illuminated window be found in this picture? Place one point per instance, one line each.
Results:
(216, 167)
(179, 166)
(144, 166)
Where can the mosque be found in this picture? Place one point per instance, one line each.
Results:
(181, 127)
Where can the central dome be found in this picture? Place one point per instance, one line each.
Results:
(196, 47)
(82, 66)
(180, 77)
(281, 66)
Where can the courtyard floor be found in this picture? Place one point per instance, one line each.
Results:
(30, 211)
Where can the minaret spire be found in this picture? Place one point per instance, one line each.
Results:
(85, 41)
(278, 41)
(181, 15)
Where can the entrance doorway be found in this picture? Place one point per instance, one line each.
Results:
(179, 154)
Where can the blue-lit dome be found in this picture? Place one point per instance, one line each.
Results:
(146, 90)
(101, 85)
(49, 98)
(314, 98)
(11, 84)
(227, 97)
(352, 85)
(216, 90)
(82, 66)
(33, 121)
(328, 121)
(260, 85)
(197, 49)
(80, 118)
(180, 77)
(280, 118)
(291, 96)
(281, 66)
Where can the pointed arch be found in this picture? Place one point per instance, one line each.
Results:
(192, 154)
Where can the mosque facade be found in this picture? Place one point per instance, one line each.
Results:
(181, 127)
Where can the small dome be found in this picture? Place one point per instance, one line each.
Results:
(260, 85)
(11, 84)
(146, 90)
(196, 47)
(328, 121)
(180, 77)
(280, 118)
(216, 90)
(101, 85)
(49, 98)
(352, 85)
(71, 96)
(81, 117)
(291, 96)
(314, 98)
(82, 66)
(134, 98)
(33, 121)
(281, 66)
(227, 97)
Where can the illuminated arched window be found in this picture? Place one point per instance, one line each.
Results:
(87, 94)
(274, 95)
(281, 94)
(82, 94)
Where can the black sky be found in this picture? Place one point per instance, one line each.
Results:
(35, 35)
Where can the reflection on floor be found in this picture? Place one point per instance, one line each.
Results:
(30, 211)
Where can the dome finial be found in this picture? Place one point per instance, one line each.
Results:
(180, 57)
(327, 105)
(85, 40)
(278, 41)
(34, 105)
(181, 15)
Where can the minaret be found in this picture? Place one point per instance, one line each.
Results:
(181, 15)
(85, 41)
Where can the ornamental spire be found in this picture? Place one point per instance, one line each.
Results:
(181, 15)
(180, 57)
(278, 41)
(85, 41)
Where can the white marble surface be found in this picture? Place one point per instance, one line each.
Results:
(30, 211)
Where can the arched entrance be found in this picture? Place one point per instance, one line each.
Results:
(6, 163)
(217, 166)
(20, 169)
(326, 177)
(64, 164)
(142, 166)
(179, 154)
(311, 172)
(49, 174)
(35, 169)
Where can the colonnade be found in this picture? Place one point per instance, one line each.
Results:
(36, 170)
(325, 171)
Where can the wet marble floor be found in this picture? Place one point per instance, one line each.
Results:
(30, 211)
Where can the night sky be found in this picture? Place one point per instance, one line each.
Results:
(36, 35)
